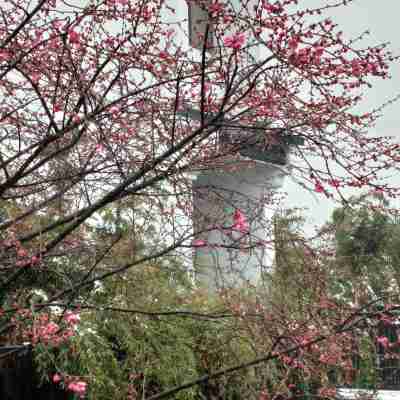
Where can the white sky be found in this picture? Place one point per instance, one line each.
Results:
(381, 18)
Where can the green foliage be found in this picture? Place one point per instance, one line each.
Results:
(366, 375)
(366, 238)
(353, 261)
(149, 329)
(149, 349)
(292, 282)
(167, 350)
(87, 356)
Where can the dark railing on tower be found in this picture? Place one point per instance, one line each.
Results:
(388, 362)
(257, 142)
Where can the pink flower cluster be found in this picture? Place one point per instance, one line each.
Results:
(318, 187)
(240, 222)
(48, 332)
(216, 9)
(235, 41)
(292, 362)
(51, 334)
(272, 8)
(74, 37)
(327, 392)
(264, 395)
(79, 387)
(23, 258)
(383, 341)
(330, 358)
(199, 243)
(72, 318)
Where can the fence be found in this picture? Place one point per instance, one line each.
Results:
(18, 380)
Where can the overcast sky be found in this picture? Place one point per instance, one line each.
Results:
(381, 18)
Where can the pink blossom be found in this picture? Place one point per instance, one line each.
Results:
(72, 318)
(67, 334)
(35, 260)
(55, 341)
(264, 395)
(57, 108)
(35, 77)
(334, 182)
(22, 263)
(99, 147)
(215, 9)
(383, 341)
(327, 392)
(22, 253)
(169, 33)
(235, 41)
(227, 18)
(318, 51)
(51, 328)
(329, 359)
(50, 333)
(273, 8)
(73, 37)
(57, 378)
(78, 387)
(287, 360)
(319, 188)
(199, 243)
(293, 42)
(76, 118)
(4, 55)
(240, 222)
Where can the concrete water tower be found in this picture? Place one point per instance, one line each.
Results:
(243, 183)
(254, 167)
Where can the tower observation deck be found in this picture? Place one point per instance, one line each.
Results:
(253, 166)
